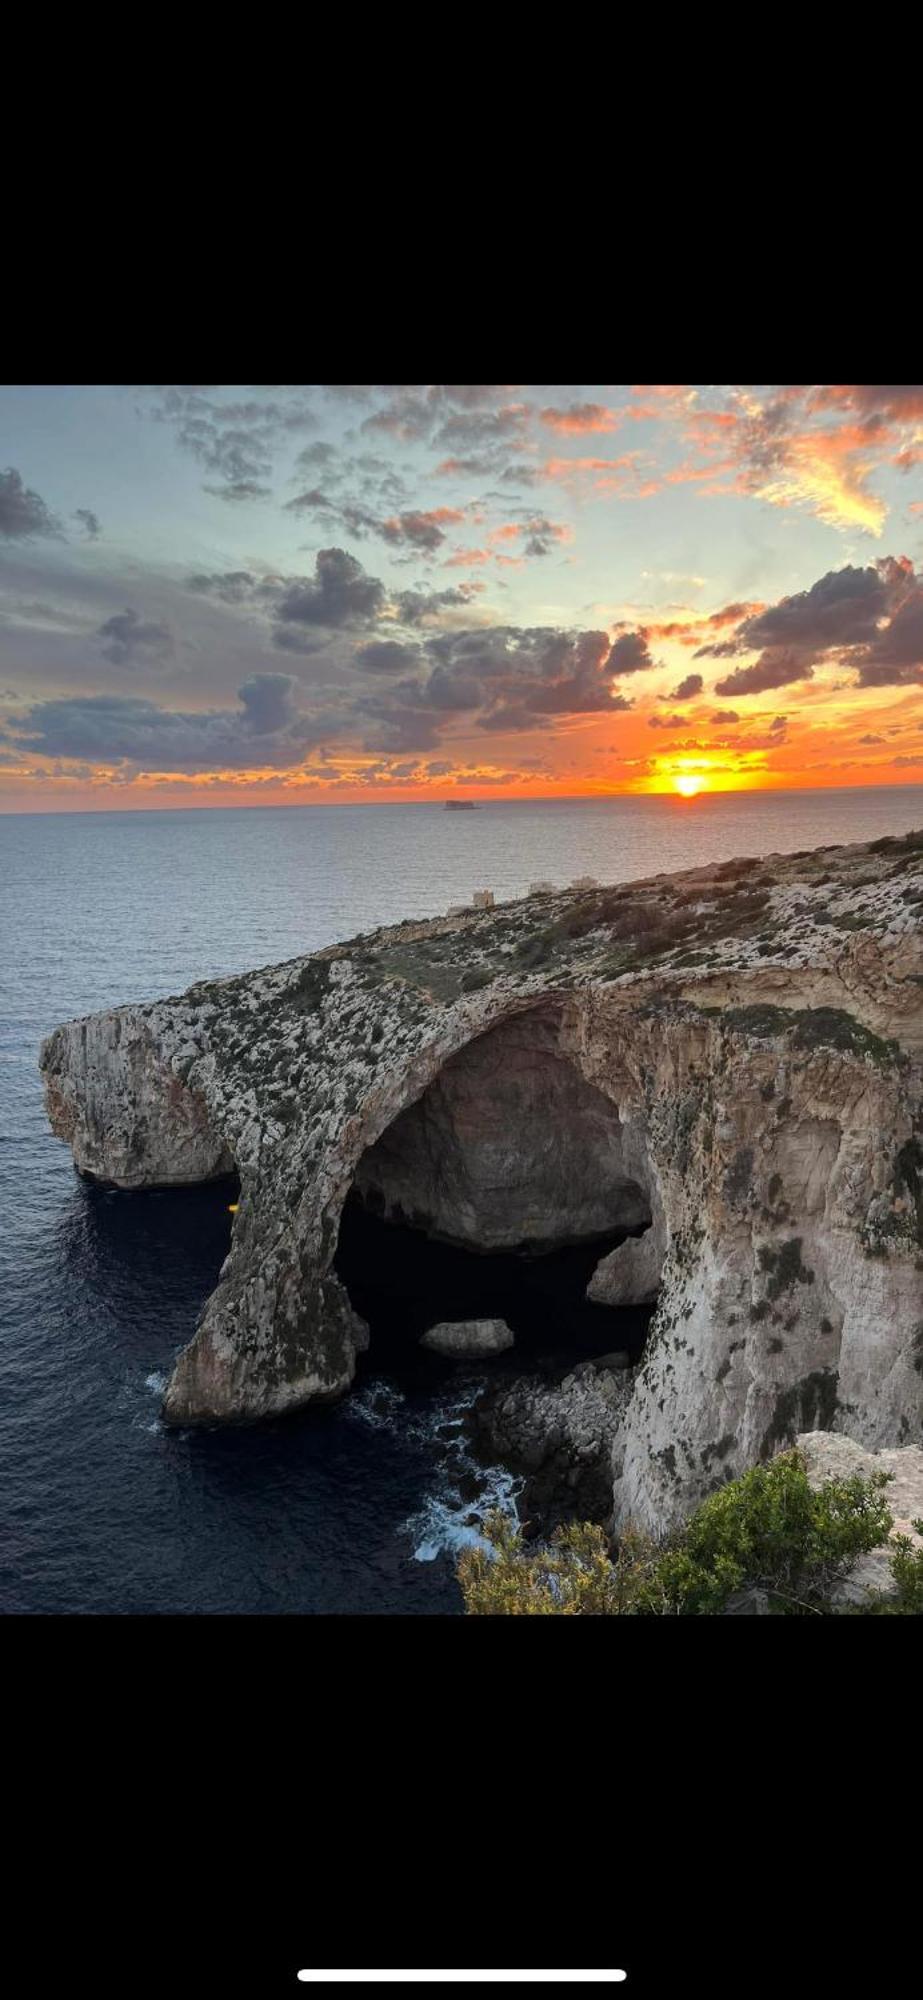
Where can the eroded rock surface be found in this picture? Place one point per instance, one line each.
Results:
(630, 1275)
(509, 1146)
(560, 1434)
(735, 1050)
(466, 1339)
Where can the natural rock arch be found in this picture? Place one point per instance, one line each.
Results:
(509, 1147)
(768, 1107)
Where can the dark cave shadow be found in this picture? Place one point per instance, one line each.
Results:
(402, 1281)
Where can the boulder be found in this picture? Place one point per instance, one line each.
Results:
(468, 1339)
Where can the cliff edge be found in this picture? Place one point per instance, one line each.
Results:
(729, 1060)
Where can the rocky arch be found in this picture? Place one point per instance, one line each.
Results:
(475, 1117)
(770, 1113)
(509, 1147)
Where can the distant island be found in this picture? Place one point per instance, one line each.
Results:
(461, 805)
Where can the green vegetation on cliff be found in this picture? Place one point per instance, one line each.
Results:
(769, 1530)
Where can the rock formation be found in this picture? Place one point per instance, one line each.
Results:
(729, 1059)
(466, 1339)
(560, 1435)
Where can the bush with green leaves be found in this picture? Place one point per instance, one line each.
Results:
(907, 1571)
(769, 1530)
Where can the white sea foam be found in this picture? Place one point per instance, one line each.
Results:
(451, 1519)
(378, 1405)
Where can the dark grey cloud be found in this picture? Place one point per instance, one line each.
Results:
(398, 720)
(480, 430)
(692, 685)
(23, 512)
(870, 619)
(668, 722)
(423, 530)
(232, 586)
(419, 531)
(238, 490)
(541, 536)
(630, 654)
(126, 729)
(895, 656)
(130, 638)
(89, 521)
(268, 702)
(776, 668)
(520, 675)
(727, 716)
(317, 456)
(386, 656)
(340, 594)
(415, 607)
(234, 442)
(454, 689)
(363, 482)
(506, 678)
(449, 417)
(357, 520)
(489, 465)
(842, 608)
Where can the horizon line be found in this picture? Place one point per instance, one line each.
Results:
(530, 799)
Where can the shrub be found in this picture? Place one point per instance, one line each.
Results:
(907, 1571)
(768, 1529)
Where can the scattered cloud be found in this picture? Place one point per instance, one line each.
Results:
(870, 619)
(129, 638)
(22, 512)
(89, 522)
(630, 654)
(692, 685)
(579, 418)
(339, 594)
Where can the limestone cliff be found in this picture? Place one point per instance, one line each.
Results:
(729, 1059)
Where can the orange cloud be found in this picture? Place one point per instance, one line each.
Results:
(579, 418)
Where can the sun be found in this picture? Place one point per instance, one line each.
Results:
(688, 785)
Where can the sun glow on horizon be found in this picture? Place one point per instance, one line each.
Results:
(689, 784)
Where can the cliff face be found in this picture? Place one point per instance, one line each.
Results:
(731, 1058)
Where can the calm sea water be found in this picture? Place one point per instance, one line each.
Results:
(357, 1508)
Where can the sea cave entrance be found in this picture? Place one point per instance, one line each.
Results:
(496, 1194)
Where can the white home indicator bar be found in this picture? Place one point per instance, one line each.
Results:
(459, 1978)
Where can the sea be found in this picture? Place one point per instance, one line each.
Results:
(359, 1508)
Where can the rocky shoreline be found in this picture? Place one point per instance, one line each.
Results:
(560, 1434)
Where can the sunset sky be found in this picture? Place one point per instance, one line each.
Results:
(279, 595)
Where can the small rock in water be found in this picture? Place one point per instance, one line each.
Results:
(468, 1338)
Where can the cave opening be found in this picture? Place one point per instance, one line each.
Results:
(495, 1195)
(403, 1282)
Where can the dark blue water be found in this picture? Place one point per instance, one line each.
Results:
(358, 1508)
